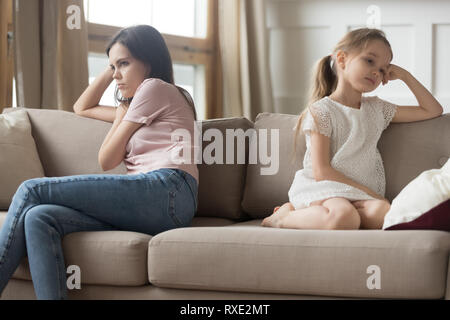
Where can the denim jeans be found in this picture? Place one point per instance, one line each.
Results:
(43, 210)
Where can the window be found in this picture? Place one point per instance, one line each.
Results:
(188, 27)
(178, 17)
(6, 55)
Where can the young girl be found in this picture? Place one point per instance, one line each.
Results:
(342, 183)
(156, 194)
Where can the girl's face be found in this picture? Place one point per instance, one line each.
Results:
(129, 72)
(365, 70)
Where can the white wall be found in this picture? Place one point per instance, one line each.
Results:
(303, 31)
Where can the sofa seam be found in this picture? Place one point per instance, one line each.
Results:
(289, 245)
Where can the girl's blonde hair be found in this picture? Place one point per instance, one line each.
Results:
(324, 80)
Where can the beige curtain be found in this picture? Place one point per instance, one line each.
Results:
(50, 45)
(244, 46)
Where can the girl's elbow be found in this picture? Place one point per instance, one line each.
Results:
(318, 176)
(322, 173)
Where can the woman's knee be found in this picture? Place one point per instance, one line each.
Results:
(34, 216)
(39, 216)
(26, 187)
(342, 215)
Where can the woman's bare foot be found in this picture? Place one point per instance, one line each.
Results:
(278, 214)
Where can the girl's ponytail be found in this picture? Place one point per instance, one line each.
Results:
(324, 82)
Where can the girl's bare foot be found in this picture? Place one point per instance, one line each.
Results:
(278, 214)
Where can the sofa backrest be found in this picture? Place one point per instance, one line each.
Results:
(407, 149)
(68, 144)
(221, 185)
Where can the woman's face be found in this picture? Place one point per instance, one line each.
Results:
(129, 72)
(366, 69)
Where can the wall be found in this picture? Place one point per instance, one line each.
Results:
(301, 32)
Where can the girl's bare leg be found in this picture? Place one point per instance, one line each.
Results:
(372, 212)
(333, 213)
(277, 215)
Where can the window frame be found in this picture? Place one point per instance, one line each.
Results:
(184, 50)
(6, 54)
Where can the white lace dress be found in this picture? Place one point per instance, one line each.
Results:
(354, 134)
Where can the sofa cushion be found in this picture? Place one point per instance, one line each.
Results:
(427, 191)
(109, 257)
(248, 258)
(437, 218)
(67, 143)
(263, 192)
(19, 159)
(104, 257)
(221, 185)
(407, 149)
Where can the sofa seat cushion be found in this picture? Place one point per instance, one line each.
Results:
(249, 258)
(104, 257)
(211, 222)
(109, 257)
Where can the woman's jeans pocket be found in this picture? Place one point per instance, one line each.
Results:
(182, 198)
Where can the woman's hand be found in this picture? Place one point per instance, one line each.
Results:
(121, 110)
(394, 72)
(93, 93)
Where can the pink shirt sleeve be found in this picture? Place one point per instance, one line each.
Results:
(147, 104)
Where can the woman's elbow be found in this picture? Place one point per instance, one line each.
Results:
(109, 162)
(104, 163)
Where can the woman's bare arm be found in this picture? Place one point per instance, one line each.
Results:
(87, 104)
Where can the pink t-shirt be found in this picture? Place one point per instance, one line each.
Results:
(163, 109)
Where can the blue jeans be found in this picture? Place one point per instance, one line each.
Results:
(43, 210)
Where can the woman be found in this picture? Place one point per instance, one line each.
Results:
(156, 194)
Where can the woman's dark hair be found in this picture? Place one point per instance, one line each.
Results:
(147, 45)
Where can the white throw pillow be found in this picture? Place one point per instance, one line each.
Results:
(429, 189)
(19, 159)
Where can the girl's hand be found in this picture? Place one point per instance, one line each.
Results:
(393, 72)
(121, 110)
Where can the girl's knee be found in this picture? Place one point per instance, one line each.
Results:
(342, 216)
(374, 216)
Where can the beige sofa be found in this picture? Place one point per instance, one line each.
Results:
(226, 254)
